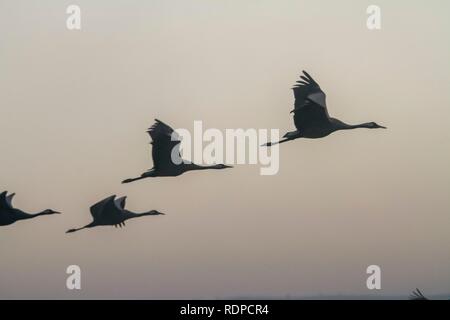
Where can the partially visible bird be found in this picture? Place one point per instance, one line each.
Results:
(9, 214)
(111, 212)
(417, 295)
(311, 116)
(165, 146)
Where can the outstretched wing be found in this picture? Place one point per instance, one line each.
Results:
(98, 208)
(310, 103)
(112, 212)
(107, 211)
(6, 201)
(121, 202)
(417, 295)
(165, 141)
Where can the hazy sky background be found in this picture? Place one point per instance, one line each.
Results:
(75, 106)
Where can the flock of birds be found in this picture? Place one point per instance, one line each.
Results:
(311, 120)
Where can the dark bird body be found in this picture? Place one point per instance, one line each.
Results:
(165, 143)
(111, 212)
(9, 214)
(311, 116)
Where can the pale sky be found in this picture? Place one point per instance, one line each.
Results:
(75, 106)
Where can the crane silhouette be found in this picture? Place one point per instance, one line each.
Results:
(111, 212)
(417, 295)
(165, 143)
(311, 116)
(9, 214)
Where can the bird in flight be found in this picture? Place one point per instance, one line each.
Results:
(417, 295)
(9, 214)
(165, 143)
(111, 212)
(311, 116)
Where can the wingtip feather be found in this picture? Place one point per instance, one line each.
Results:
(309, 76)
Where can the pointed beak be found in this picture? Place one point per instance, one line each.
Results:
(382, 127)
(57, 212)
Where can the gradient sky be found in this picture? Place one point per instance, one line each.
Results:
(75, 106)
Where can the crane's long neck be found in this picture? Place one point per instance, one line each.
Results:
(42, 213)
(129, 214)
(193, 166)
(339, 125)
(25, 215)
(149, 213)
